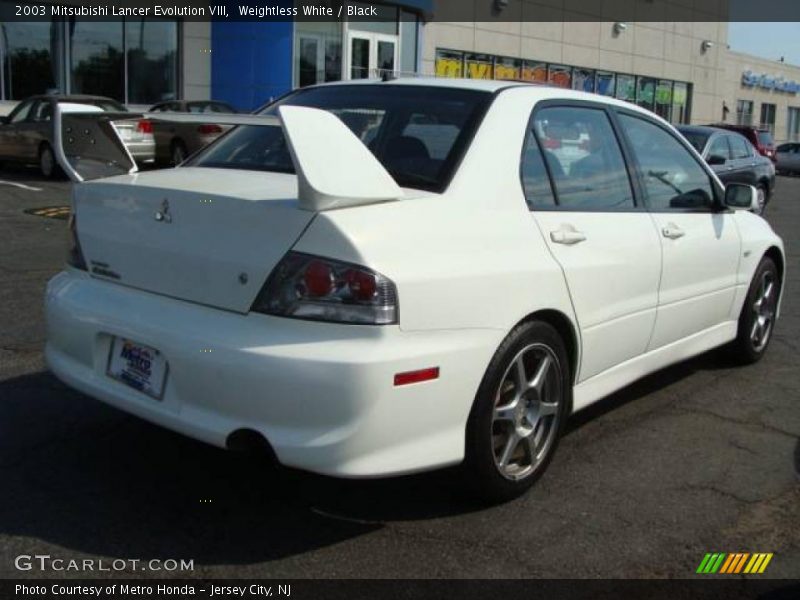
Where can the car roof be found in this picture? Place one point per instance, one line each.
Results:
(706, 129)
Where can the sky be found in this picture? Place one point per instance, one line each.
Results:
(767, 40)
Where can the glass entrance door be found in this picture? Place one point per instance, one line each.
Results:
(371, 55)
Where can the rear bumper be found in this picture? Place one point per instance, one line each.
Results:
(322, 394)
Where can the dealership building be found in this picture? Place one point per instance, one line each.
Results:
(680, 68)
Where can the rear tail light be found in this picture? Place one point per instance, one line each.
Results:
(144, 126)
(75, 254)
(209, 129)
(320, 289)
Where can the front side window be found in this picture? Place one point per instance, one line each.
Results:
(584, 159)
(672, 178)
(417, 133)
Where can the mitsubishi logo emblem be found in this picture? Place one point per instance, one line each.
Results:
(163, 215)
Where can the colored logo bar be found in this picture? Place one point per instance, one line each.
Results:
(734, 562)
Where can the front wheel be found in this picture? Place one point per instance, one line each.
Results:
(757, 319)
(518, 414)
(762, 198)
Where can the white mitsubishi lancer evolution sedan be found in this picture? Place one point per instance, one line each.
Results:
(379, 278)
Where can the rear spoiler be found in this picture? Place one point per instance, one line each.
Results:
(334, 168)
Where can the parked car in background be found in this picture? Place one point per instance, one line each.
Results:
(413, 301)
(176, 141)
(788, 158)
(733, 158)
(27, 134)
(761, 139)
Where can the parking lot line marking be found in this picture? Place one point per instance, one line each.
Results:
(20, 185)
(50, 212)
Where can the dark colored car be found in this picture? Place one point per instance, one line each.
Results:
(733, 159)
(176, 141)
(788, 158)
(761, 139)
(27, 134)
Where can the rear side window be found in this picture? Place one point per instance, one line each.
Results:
(740, 147)
(672, 178)
(535, 181)
(583, 157)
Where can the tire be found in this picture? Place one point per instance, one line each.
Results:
(177, 153)
(757, 319)
(511, 438)
(47, 163)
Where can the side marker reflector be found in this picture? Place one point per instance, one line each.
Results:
(416, 376)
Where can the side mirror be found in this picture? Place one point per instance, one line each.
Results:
(740, 196)
(716, 159)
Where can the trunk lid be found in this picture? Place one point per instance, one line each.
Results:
(209, 236)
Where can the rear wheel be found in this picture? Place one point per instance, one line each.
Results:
(177, 153)
(518, 414)
(757, 319)
(47, 162)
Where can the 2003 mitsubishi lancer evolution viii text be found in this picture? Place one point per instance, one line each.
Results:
(380, 278)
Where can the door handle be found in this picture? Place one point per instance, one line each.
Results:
(567, 235)
(673, 232)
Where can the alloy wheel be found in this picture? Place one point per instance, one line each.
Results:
(526, 411)
(764, 309)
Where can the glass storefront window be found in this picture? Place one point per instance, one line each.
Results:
(768, 117)
(30, 64)
(449, 63)
(535, 72)
(318, 53)
(152, 48)
(626, 88)
(559, 75)
(645, 92)
(479, 66)
(583, 80)
(664, 99)
(84, 57)
(605, 83)
(97, 58)
(793, 124)
(680, 103)
(744, 112)
(508, 68)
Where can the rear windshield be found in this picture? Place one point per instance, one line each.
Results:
(696, 139)
(765, 138)
(419, 134)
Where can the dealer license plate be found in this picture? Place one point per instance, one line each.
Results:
(141, 367)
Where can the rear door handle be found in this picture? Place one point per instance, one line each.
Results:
(673, 232)
(567, 236)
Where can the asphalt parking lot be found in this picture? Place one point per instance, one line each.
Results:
(702, 457)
